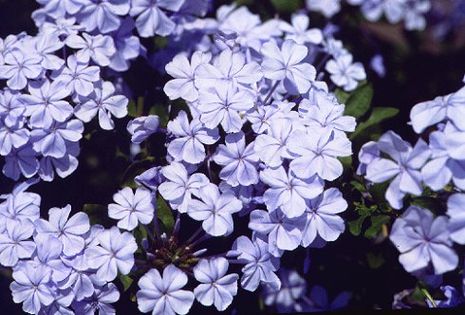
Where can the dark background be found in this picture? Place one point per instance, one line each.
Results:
(418, 68)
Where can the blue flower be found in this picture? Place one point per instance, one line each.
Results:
(162, 294)
(239, 161)
(179, 187)
(223, 105)
(405, 169)
(99, 48)
(288, 192)
(114, 252)
(322, 219)
(190, 138)
(143, 127)
(103, 15)
(19, 67)
(151, 19)
(286, 63)
(69, 230)
(46, 103)
(131, 208)
(423, 239)
(77, 76)
(260, 265)
(215, 210)
(103, 102)
(216, 287)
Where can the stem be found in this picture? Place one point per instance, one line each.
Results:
(425, 292)
(177, 224)
(200, 240)
(268, 97)
(196, 233)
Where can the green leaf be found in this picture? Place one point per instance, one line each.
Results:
(358, 186)
(359, 101)
(376, 224)
(341, 95)
(165, 214)
(355, 226)
(126, 281)
(378, 115)
(346, 162)
(136, 109)
(287, 5)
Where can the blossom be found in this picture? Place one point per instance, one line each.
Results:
(31, 287)
(229, 68)
(162, 294)
(282, 233)
(404, 169)
(151, 19)
(99, 48)
(260, 265)
(115, 252)
(46, 103)
(215, 210)
(104, 102)
(423, 239)
(321, 218)
(19, 206)
(293, 287)
(183, 72)
(15, 243)
(12, 136)
(298, 31)
(190, 137)
(21, 161)
(53, 141)
(442, 167)
(344, 73)
(143, 127)
(286, 63)
(77, 76)
(272, 147)
(216, 287)
(49, 253)
(222, 105)
(288, 192)
(69, 230)
(322, 112)
(127, 46)
(19, 67)
(100, 301)
(451, 107)
(239, 161)
(46, 45)
(326, 7)
(103, 15)
(318, 154)
(11, 107)
(131, 208)
(179, 187)
(455, 211)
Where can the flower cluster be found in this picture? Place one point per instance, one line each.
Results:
(410, 12)
(435, 169)
(257, 143)
(61, 265)
(261, 134)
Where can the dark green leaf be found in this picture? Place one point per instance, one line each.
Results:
(287, 5)
(165, 214)
(161, 112)
(359, 101)
(341, 95)
(378, 115)
(126, 281)
(355, 226)
(376, 224)
(358, 186)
